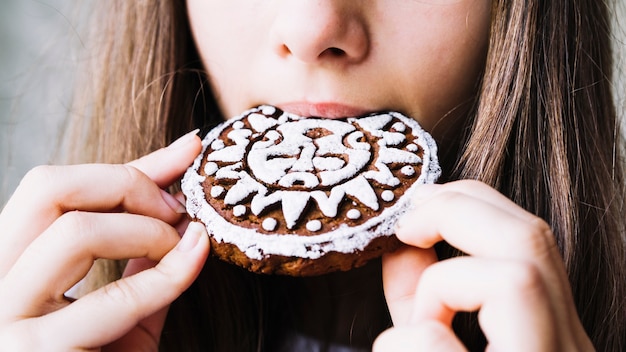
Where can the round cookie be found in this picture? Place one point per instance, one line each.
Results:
(283, 194)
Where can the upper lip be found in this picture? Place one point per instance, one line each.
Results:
(328, 110)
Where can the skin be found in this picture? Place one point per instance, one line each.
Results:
(313, 57)
(325, 57)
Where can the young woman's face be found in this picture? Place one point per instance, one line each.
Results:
(333, 58)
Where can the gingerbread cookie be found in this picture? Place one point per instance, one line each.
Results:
(284, 194)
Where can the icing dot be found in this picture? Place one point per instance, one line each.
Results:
(238, 125)
(314, 225)
(217, 191)
(210, 168)
(239, 210)
(388, 195)
(217, 144)
(408, 170)
(268, 110)
(353, 214)
(269, 224)
(412, 147)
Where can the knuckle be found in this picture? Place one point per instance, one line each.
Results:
(126, 294)
(39, 179)
(75, 223)
(74, 229)
(132, 175)
(524, 277)
(537, 238)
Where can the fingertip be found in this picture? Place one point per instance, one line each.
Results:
(192, 236)
(184, 140)
(177, 157)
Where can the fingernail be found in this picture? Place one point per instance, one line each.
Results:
(191, 237)
(173, 202)
(181, 141)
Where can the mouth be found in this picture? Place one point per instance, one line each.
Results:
(323, 110)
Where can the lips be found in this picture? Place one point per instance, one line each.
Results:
(323, 110)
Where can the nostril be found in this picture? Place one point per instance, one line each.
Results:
(336, 51)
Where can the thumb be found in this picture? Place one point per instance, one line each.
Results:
(402, 270)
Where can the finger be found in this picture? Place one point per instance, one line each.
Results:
(109, 313)
(176, 158)
(481, 228)
(477, 227)
(48, 192)
(501, 290)
(63, 255)
(401, 272)
(475, 189)
(428, 336)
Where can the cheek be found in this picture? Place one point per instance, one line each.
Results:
(226, 43)
(442, 57)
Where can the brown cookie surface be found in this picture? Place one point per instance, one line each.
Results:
(283, 194)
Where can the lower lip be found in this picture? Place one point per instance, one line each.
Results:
(325, 110)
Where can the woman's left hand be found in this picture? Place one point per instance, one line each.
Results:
(513, 275)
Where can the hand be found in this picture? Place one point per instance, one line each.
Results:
(514, 276)
(61, 219)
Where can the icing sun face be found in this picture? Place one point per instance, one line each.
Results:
(272, 182)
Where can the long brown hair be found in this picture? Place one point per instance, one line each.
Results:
(543, 131)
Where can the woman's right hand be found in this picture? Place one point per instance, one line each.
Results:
(60, 219)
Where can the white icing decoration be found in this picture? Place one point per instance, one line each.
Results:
(260, 123)
(210, 168)
(387, 195)
(217, 191)
(239, 210)
(344, 239)
(353, 214)
(328, 163)
(412, 147)
(268, 110)
(238, 125)
(242, 189)
(314, 225)
(293, 205)
(229, 172)
(217, 144)
(408, 170)
(399, 127)
(269, 224)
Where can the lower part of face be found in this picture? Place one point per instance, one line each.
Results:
(332, 58)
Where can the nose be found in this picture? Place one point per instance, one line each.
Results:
(314, 31)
